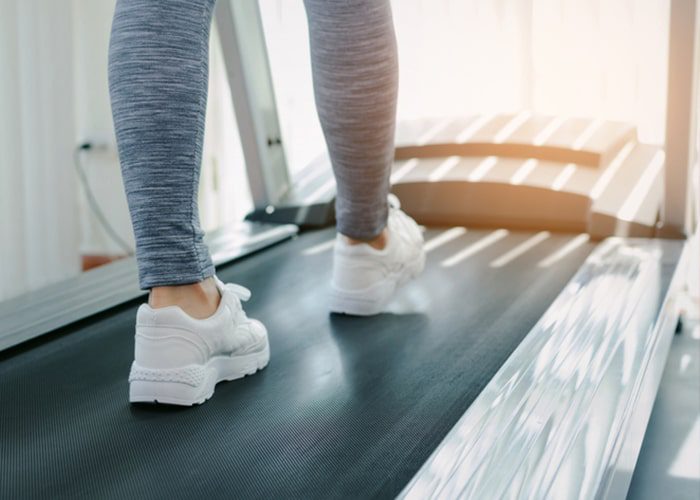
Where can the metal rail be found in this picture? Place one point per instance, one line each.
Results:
(240, 29)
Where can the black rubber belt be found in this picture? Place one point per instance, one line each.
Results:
(348, 407)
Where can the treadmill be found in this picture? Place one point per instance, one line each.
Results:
(523, 363)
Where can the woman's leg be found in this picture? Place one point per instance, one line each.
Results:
(158, 75)
(158, 82)
(355, 73)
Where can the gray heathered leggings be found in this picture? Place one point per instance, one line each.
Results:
(158, 74)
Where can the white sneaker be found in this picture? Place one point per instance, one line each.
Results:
(364, 278)
(179, 359)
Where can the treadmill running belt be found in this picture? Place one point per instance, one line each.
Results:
(348, 407)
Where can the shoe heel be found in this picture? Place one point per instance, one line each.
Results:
(366, 302)
(182, 386)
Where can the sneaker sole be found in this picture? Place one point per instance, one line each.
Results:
(373, 300)
(194, 384)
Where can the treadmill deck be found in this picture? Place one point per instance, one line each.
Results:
(348, 407)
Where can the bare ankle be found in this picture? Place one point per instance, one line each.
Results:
(378, 243)
(199, 300)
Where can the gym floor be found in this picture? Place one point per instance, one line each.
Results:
(669, 463)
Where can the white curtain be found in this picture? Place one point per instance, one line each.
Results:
(39, 234)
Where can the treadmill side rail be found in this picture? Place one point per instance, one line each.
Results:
(565, 415)
(42, 311)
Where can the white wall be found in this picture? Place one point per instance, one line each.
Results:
(603, 58)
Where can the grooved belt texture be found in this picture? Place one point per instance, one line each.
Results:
(347, 408)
